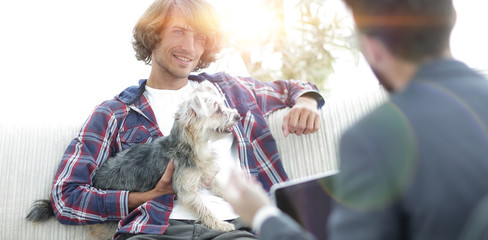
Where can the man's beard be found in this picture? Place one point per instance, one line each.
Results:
(173, 73)
(383, 81)
(165, 68)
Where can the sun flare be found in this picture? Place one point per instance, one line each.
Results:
(248, 23)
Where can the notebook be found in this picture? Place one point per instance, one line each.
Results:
(308, 201)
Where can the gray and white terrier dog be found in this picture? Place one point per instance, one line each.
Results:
(200, 118)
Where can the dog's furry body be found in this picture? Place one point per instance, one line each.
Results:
(137, 169)
(141, 166)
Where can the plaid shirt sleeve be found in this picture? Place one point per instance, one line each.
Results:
(74, 200)
(253, 99)
(271, 96)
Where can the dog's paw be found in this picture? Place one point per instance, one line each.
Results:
(223, 226)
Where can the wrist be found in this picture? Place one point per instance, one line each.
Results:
(135, 199)
(312, 98)
(307, 100)
(262, 215)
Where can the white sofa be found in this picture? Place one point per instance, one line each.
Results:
(30, 154)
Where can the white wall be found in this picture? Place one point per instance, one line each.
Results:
(469, 43)
(59, 58)
(62, 57)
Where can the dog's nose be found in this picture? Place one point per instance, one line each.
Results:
(237, 117)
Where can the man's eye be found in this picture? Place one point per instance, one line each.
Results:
(200, 38)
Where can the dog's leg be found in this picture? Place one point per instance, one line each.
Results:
(217, 188)
(194, 202)
(213, 183)
(188, 196)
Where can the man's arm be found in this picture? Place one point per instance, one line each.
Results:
(74, 200)
(378, 159)
(289, 229)
(303, 117)
(163, 187)
(302, 97)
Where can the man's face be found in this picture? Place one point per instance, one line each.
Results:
(372, 52)
(383, 80)
(179, 49)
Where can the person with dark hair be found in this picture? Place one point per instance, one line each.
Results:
(177, 37)
(415, 167)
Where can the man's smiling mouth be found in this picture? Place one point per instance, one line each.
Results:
(183, 59)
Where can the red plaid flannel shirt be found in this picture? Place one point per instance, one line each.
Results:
(128, 119)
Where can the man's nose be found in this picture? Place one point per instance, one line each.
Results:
(188, 43)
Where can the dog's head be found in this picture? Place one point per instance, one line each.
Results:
(205, 114)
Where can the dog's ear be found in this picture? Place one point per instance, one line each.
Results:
(200, 106)
(186, 112)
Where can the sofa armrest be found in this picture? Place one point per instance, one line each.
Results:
(316, 153)
(30, 154)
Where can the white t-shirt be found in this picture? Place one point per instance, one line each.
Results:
(164, 104)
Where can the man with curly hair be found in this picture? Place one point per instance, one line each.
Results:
(415, 167)
(177, 37)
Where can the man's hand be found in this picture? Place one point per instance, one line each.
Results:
(164, 186)
(245, 195)
(303, 118)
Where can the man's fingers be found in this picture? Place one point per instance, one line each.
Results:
(291, 123)
(285, 124)
(316, 125)
(313, 124)
(234, 185)
(301, 121)
(168, 174)
(164, 185)
(295, 122)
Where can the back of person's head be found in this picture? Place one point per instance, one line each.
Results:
(410, 29)
(199, 14)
